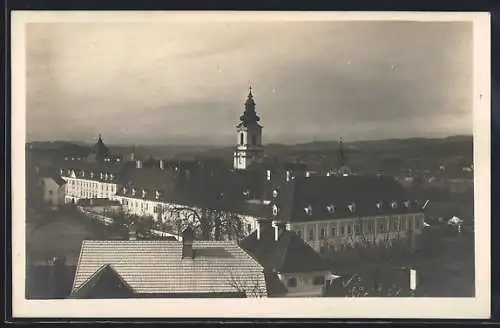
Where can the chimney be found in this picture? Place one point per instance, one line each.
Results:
(138, 164)
(187, 243)
(162, 164)
(276, 231)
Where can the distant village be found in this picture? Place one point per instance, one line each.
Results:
(264, 226)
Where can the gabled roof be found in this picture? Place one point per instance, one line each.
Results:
(104, 281)
(157, 267)
(290, 254)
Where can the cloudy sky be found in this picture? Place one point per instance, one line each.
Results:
(186, 82)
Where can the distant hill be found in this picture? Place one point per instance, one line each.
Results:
(390, 154)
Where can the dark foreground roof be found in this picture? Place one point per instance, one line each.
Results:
(290, 254)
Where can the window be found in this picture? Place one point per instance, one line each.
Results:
(334, 231)
(342, 230)
(369, 225)
(417, 222)
(311, 235)
(322, 233)
(241, 138)
(299, 233)
(403, 223)
(349, 230)
(381, 226)
(50, 192)
(318, 280)
(249, 228)
(292, 282)
(357, 229)
(268, 175)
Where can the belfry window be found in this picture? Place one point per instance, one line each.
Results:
(241, 138)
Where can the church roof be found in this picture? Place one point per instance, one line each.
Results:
(100, 151)
(249, 116)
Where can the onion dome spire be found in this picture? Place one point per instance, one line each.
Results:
(249, 115)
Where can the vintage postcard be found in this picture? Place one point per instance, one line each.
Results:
(251, 165)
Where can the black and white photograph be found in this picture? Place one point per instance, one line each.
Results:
(277, 157)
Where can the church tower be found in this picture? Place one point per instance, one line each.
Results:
(249, 148)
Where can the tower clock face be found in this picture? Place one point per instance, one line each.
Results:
(275, 210)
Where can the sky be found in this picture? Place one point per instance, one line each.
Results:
(186, 82)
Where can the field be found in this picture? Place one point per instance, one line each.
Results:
(52, 234)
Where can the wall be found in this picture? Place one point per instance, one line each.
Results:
(305, 286)
(53, 194)
(342, 231)
(103, 208)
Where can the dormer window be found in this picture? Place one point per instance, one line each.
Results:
(91, 174)
(379, 205)
(308, 210)
(118, 159)
(102, 176)
(246, 193)
(111, 176)
(330, 208)
(143, 193)
(125, 190)
(157, 194)
(62, 171)
(288, 175)
(351, 207)
(308, 174)
(83, 173)
(407, 204)
(268, 175)
(133, 191)
(69, 172)
(106, 176)
(275, 210)
(394, 205)
(65, 158)
(275, 193)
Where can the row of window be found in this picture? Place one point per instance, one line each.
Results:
(316, 281)
(74, 184)
(393, 225)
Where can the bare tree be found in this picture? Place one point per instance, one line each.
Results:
(252, 288)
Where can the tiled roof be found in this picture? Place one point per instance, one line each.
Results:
(325, 198)
(157, 267)
(117, 171)
(290, 254)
